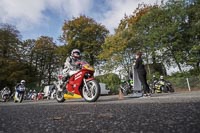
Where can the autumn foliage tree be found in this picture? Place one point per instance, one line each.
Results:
(119, 48)
(85, 34)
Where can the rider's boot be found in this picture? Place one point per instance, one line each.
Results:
(64, 84)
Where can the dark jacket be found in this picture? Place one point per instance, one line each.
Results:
(139, 65)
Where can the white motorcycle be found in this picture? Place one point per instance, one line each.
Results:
(5, 94)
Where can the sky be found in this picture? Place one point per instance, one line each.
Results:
(34, 18)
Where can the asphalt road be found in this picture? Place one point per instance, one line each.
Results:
(162, 113)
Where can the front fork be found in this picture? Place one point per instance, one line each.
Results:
(84, 80)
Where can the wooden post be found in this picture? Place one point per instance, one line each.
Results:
(121, 96)
(188, 84)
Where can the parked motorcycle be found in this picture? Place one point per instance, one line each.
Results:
(152, 86)
(81, 84)
(163, 86)
(5, 94)
(40, 96)
(34, 95)
(52, 93)
(126, 87)
(169, 86)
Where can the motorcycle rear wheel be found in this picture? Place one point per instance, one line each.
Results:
(93, 92)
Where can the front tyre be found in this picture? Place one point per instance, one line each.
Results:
(4, 98)
(171, 89)
(21, 96)
(124, 89)
(60, 96)
(93, 92)
(164, 89)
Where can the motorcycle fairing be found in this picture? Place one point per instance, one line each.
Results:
(76, 80)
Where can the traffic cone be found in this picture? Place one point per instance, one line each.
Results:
(121, 96)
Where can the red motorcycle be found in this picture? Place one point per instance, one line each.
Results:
(82, 84)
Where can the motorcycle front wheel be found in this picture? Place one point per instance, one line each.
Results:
(60, 96)
(171, 89)
(163, 89)
(93, 92)
(21, 96)
(4, 98)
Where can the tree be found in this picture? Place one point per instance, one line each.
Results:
(192, 35)
(161, 31)
(9, 41)
(45, 59)
(9, 55)
(85, 34)
(119, 48)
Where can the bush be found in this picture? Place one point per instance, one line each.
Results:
(111, 80)
(179, 80)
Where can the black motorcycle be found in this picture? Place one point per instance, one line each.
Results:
(169, 86)
(126, 87)
(152, 85)
(163, 86)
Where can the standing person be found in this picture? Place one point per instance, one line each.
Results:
(142, 74)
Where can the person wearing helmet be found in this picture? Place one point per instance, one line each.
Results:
(154, 79)
(18, 87)
(71, 66)
(162, 78)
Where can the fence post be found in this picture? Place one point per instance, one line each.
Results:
(188, 84)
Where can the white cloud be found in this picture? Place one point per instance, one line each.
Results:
(118, 9)
(22, 13)
(29, 15)
(70, 8)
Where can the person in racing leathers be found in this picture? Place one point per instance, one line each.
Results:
(18, 86)
(71, 66)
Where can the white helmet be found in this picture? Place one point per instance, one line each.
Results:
(161, 77)
(23, 81)
(76, 53)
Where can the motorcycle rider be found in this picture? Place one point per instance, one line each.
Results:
(18, 86)
(154, 80)
(162, 78)
(71, 66)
